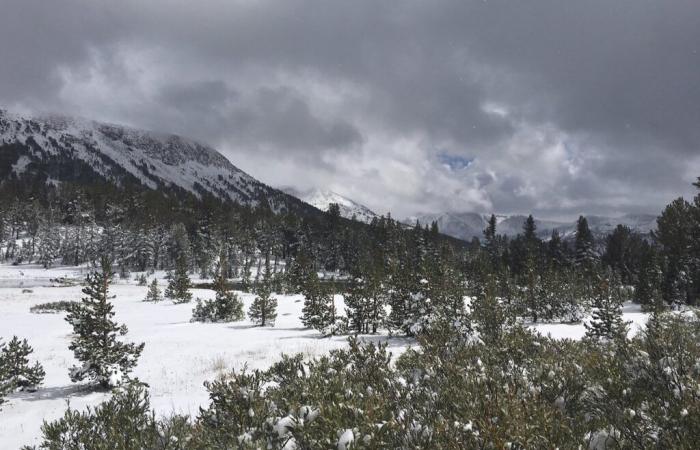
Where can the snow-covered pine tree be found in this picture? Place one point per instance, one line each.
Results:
(263, 310)
(226, 306)
(156, 240)
(142, 280)
(562, 298)
(300, 272)
(364, 304)
(675, 233)
(203, 246)
(246, 275)
(356, 305)
(229, 307)
(105, 359)
(401, 290)
(15, 371)
(319, 309)
(153, 294)
(49, 247)
(178, 289)
(606, 322)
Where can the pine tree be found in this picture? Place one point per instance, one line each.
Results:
(492, 244)
(263, 310)
(364, 303)
(15, 372)
(179, 286)
(49, 245)
(647, 289)
(105, 360)
(556, 250)
(675, 232)
(319, 310)
(563, 298)
(403, 287)
(606, 322)
(153, 294)
(490, 231)
(357, 305)
(585, 254)
(530, 230)
(226, 306)
(301, 272)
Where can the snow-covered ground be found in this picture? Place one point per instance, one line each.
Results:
(178, 357)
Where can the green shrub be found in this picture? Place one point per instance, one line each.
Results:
(458, 389)
(123, 422)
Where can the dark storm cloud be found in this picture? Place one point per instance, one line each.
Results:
(269, 118)
(561, 107)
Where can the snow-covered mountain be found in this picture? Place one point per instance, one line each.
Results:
(468, 225)
(60, 149)
(463, 226)
(321, 199)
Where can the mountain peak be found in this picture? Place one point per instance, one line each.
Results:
(322, 199)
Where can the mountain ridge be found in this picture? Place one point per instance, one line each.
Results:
(322, 199)
(60, 148)
(467, 225)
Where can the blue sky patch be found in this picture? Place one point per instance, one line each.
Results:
(455, 162)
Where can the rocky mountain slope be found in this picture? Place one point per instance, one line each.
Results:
(60, 149)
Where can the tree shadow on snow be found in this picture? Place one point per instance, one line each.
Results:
(244, 326)
(288, 329)
(53, 393)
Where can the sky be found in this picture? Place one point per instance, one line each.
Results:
(411, 106)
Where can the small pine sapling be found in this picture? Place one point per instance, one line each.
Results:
(15, 371)
(606, 323)
(153, 294)
(178, 289)
(225, 307)
(263, 310)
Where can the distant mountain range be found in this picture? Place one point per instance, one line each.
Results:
(322, 199)
(468, 225)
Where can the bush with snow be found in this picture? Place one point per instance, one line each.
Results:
(15, 371)
(498, 386)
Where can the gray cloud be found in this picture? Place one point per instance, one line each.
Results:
(562, 107)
